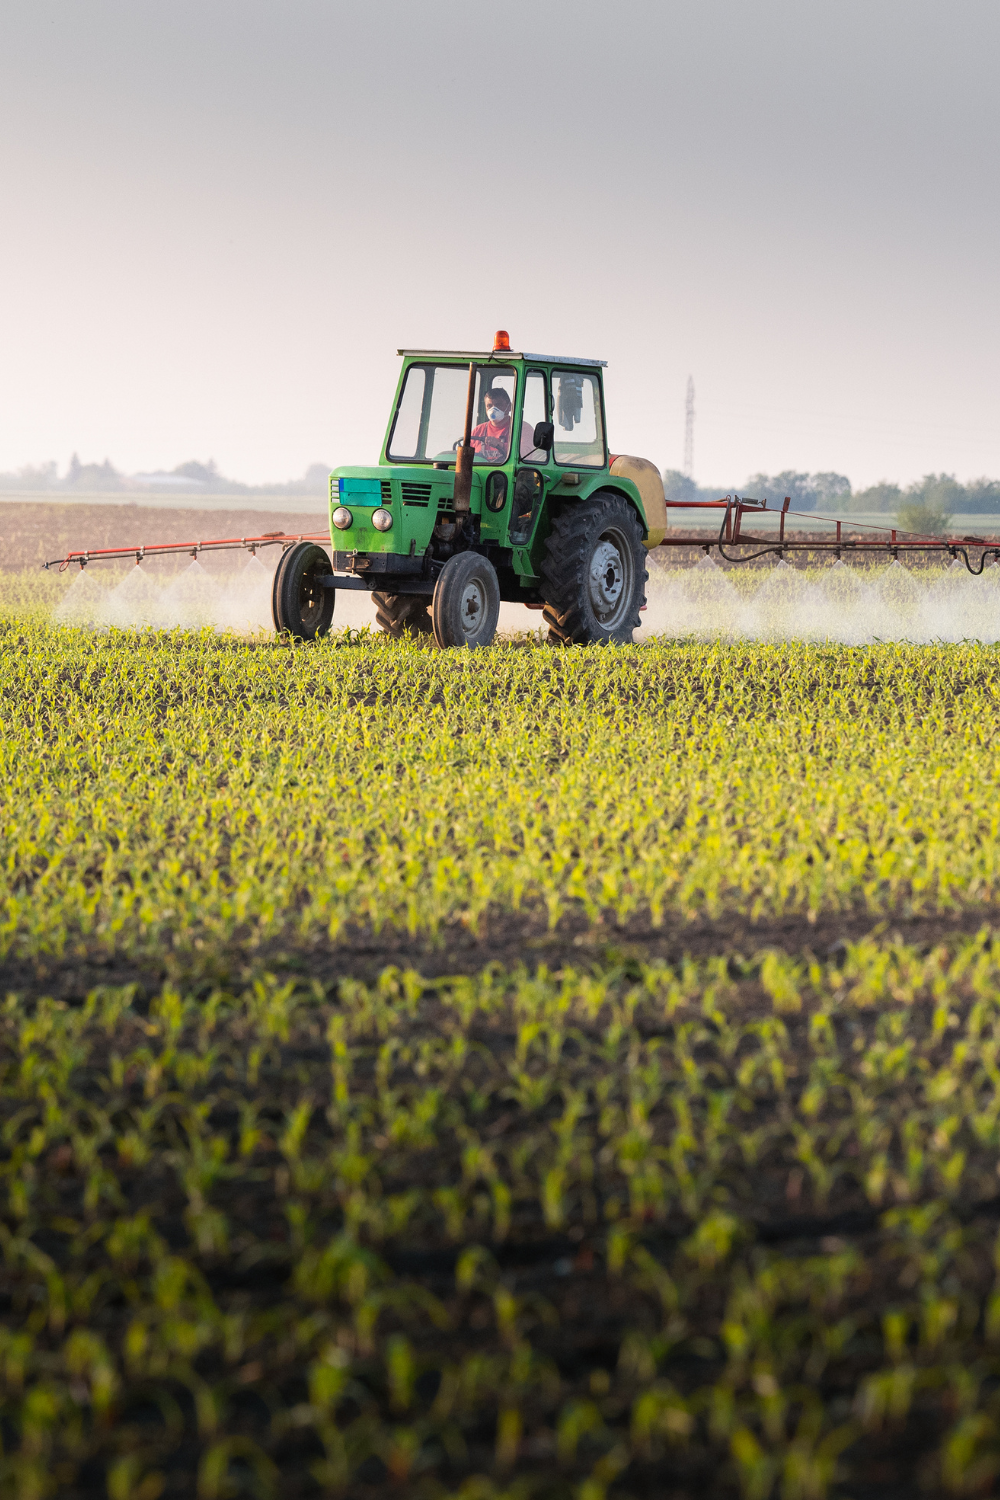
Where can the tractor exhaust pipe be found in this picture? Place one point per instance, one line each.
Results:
(465, 453)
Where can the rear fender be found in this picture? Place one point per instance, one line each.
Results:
(605, 484)
(560, 498)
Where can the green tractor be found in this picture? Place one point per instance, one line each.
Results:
(494, 484)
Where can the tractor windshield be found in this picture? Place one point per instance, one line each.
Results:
(430, 417)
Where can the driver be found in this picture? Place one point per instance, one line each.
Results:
(491, 439)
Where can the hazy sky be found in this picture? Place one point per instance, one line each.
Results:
(220, 218)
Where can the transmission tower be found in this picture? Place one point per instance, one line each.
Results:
(689, 429)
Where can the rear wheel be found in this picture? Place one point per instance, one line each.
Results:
(594, 573)
(300, 604)
(466, 601)
(402, 615)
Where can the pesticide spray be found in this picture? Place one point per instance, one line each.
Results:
(840, 604)
(195, 599)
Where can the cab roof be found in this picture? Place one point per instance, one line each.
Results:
(498, 356)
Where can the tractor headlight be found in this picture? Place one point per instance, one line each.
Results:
(342, 518)
(381, 519)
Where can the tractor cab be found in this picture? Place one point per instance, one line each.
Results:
(485, 456)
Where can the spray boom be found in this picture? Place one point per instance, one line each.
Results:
(888, 539)
(176, 549)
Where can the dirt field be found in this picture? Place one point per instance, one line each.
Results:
(33, 532)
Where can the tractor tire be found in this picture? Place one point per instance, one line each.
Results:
(300, 605)
(402, 615)
(594, 573)
(466, 604)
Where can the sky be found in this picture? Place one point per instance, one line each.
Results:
(221, 219)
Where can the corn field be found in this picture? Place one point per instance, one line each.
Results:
(523, 1075)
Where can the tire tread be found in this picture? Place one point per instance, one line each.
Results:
(567, 553)
(402, 615)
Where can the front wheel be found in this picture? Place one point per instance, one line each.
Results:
(466, 604)
(300, 604)
(594, 573)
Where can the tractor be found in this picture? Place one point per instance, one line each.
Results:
(494, 484)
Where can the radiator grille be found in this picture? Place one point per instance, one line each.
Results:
(416, 494)
(386, 491)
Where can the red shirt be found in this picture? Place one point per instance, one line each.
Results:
(491, 441)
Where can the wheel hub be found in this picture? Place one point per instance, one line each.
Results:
(473, 604)
(311, 595)
(607, 578)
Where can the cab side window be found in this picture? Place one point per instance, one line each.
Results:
(576, 413)
(534, 412)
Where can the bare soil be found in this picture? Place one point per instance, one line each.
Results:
(34, 532)
(675, 556)
(503, 938)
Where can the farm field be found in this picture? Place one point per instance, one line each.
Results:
(36, 531)
(530, 1074)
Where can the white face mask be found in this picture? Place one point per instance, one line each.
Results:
(494, 414)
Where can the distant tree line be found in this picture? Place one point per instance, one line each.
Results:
(935, 498)
(941, 492)
(928, 503)
(806, 491)
(192, 477)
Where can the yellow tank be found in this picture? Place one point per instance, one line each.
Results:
(646, 478)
